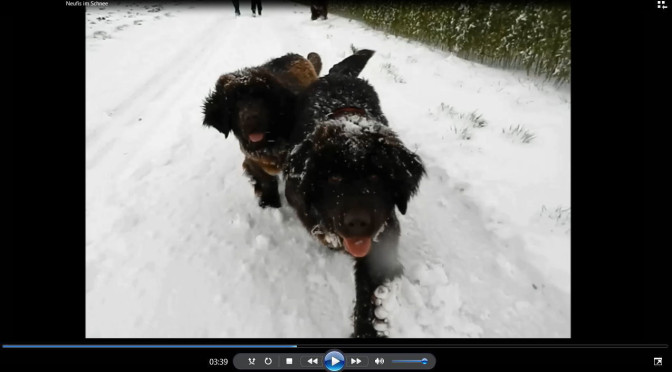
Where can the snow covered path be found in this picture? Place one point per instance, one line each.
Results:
(176, 245)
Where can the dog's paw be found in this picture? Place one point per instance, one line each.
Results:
(272, 201)
(386, 303)
(369, 334)
(271, 204)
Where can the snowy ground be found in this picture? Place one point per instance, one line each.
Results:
(176, 245)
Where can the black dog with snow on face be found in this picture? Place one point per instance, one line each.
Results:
(345, 176)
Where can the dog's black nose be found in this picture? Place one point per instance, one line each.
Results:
(249, 119)
(356, 222)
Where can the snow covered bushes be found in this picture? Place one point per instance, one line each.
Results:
(532, 36)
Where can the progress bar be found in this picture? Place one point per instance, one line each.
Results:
(148, 346)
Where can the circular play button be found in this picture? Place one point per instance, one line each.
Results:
(334, 361)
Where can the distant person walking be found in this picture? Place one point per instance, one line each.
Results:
(318, 8)
(236, 5)
(256, 5)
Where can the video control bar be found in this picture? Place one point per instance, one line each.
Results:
(334, 360)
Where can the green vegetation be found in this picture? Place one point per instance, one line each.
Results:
(535, 37)
(520, 133)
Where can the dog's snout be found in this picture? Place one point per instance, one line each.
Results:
(356, 222)
(250, 118)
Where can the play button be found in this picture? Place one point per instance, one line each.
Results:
(334, 361)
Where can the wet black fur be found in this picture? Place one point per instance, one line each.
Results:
(220, 112)
(322, 149)
(274, 85)
(318, 8)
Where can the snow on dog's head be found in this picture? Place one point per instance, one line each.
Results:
(348, 170)
(352, 171)
(351, 133)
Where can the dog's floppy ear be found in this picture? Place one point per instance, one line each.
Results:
(406, 176)
(218, 106)
(352, 65)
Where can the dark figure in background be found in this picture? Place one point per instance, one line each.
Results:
(236, 5)
(318, 9)
(256, 4)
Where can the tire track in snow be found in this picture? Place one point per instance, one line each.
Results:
(139, 89)
(127, 111)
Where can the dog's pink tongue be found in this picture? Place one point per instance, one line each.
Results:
(358, 247)
(256, 137)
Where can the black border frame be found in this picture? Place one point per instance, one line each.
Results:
(620, 74)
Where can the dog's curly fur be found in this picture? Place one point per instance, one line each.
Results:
(345, 176)
(257, 105)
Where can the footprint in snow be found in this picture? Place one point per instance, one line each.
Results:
(101, 35)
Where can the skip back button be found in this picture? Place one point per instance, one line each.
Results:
(311, 361)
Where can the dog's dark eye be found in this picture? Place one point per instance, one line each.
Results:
(374, 178)
(335, 179)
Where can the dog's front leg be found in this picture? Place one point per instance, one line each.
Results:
(373, 284)
(265, 185)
